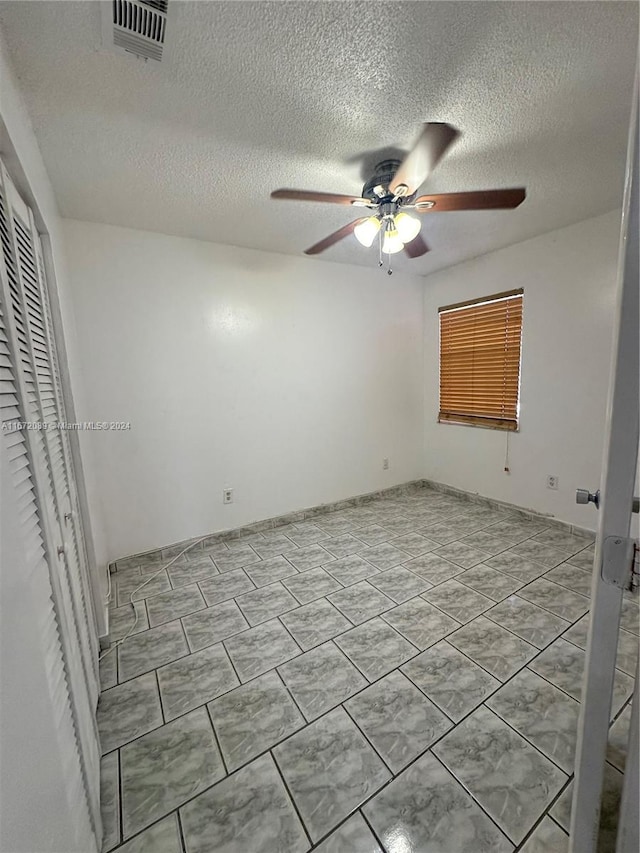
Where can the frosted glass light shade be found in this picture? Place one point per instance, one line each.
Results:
(408, 227)
(366, 231)
(392, 242)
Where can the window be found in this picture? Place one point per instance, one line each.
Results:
(480, 361)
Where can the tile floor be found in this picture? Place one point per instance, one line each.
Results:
(403, 675)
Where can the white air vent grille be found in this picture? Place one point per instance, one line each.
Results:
(136, 27)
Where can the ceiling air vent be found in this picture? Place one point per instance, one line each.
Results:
(136, 27)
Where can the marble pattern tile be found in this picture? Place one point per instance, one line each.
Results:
(542, 714)
(557, 599)
(433, 568)
(274, 545)
(315, 623)
(521, 617)
(261, 649)
(373, 534)
(108, 668)
(190, 682)
(458, 601)
(562, 664)
(461, 554)
(414, 544)
(127, 711)
(110, 801)
(270, 571)
(498, 651)
(610, 806)
(584, 559)
(307, 534)
(360, 602)
(571, 577)
(351, 569)
(167, 767)
(127, 585)
(442, 532)
(330, 770)
(253, 718)
(162, 837)
(121, 620)
(563, 541)
(191, 571)
(342, 546)
(237, 558)
(547, 838)
(353, 836)
(427, 811)
(375, 648)
(630, 617)
(516, 566)
(399, 584)
(399, 524)
(397, 719)
(310, 556)
(321, 679)
(489, 582)
(619, 739)
(456, 684)
(168, 606)
(224, 587)
(384, 556)
(516, 530)
(151, 649)
(539, 553)
(421, 623)
(250, 812)
(213, 625)
(487, 542)
(512, 781)
(308, 586)
(265, 603)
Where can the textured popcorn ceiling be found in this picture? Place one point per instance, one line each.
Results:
(261, 95)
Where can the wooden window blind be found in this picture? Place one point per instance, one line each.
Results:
(480, 361)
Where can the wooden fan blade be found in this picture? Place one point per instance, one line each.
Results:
(480, 200)
(338, 235)
(416, 167)
(416, 247)
(331, 198)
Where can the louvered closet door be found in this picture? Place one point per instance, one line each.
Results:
(31, 344)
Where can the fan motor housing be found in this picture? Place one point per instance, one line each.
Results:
(384, 173)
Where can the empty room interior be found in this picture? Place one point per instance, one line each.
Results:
(319, 352)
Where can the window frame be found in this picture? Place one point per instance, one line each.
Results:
(478, 420)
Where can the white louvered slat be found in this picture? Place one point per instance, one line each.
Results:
(41, 485)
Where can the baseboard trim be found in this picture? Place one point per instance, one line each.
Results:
(170, 551)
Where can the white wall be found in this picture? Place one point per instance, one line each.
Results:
(282, 377)
(569, 281)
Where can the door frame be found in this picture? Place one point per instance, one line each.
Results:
(618, 482)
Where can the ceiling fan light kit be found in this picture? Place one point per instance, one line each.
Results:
(391, 192)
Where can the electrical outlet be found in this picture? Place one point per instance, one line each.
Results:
(385, 464)
(227, 496)
(552, 481)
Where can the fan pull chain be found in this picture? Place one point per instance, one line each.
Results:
(380, 261)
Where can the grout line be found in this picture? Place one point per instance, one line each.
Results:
(216, 738)
(451, 773)
(371, 829)
(290, 795)
(418, 652)
(181, 833)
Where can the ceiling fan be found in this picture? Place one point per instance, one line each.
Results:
(391, 192)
